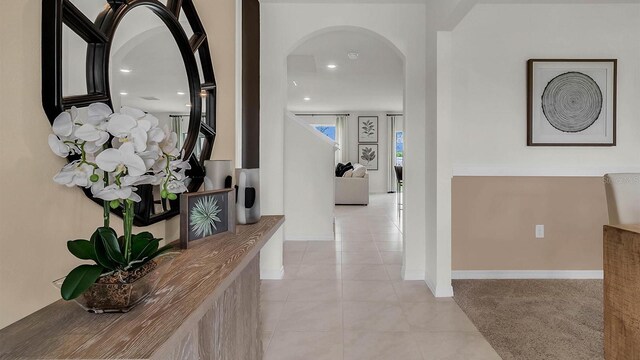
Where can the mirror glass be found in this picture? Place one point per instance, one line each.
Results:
(74, 64)
(147, 72)
(90, 8)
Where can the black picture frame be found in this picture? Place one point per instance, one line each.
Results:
(565, 66)
(98, 34)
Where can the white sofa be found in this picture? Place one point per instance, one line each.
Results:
(352, 190)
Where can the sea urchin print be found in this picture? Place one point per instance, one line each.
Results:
(204, 216)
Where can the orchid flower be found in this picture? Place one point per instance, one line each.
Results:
(61, 142)
(121, 160)
(75, 173)
(94, 131)
(127, 129)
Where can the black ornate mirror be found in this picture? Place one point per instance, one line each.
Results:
(147, 54)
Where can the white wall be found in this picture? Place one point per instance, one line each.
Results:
(284, 26)
(377, 178)
(309, 180)
(489, 86)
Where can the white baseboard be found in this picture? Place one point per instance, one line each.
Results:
(527, 274)
(310, 238)
(439, 291)
(272, 274)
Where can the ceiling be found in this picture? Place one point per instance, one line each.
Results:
(373, 82)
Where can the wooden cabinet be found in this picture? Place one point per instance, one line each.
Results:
(622, 292)
(205, 307)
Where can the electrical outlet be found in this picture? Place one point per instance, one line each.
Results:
(539, 231)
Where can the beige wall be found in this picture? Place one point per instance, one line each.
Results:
(37, 216)
(494, 220)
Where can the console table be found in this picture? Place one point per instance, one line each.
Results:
(205, 307)
(622, 292)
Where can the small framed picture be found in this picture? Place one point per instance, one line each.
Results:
(368, 156)
(206, 215)
(571, 102)
(367, 129)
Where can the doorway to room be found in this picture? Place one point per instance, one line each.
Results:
(347, 85)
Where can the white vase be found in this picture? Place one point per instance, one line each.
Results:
(248, 196)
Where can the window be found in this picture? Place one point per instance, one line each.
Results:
(328, 130)
(399, 147)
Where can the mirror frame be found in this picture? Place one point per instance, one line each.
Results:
(99, 34)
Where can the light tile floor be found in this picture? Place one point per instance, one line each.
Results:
(344, 299)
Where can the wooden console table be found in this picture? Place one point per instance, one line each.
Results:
(205, 307)
(622, 292)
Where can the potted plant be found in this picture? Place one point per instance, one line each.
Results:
(110, 154)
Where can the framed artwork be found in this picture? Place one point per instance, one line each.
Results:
(206, 215)
(367, 129)
(368, 156)
(571, 102)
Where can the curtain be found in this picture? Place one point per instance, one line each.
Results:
(342, 138)
(391, 151)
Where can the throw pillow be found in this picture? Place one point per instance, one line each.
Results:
(343, 169)
(348, 173)
(359, 170)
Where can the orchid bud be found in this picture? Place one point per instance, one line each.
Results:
(94, 177)
(172, 196)
(114, 204)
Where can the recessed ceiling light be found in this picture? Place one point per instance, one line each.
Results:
(125, 70)
(353, 55)
(124, 93)
(306, 98)
(295, 83)
(180, 92)
(332, 66)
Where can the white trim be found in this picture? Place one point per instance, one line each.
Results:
(272, 274)
(238, 80)
(310, 238)
(439, 291)
(460, 170)
(527, 274)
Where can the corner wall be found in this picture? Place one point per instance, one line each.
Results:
(37, 216)
(501, 187)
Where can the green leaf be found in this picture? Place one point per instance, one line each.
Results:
(79, 280)
(138, 243)
(160, 251)
(111, 245)
(101, 253)
(151, 248)
(82, 249)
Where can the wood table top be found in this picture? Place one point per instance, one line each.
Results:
(635, 228)
(194, 281)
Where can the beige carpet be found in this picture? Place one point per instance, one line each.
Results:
(536, 319)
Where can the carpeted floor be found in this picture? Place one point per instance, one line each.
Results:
(536, 319)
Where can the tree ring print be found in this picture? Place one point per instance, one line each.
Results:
(572, 102)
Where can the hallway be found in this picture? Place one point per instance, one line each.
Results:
(344, 299)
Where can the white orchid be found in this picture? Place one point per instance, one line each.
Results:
(121, 160)
(141, 153)
(75, 173)
(61, 141)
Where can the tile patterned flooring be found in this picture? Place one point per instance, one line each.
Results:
(345, 300)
